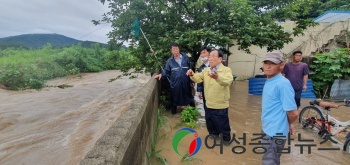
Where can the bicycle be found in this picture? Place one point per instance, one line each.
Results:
(313, 117)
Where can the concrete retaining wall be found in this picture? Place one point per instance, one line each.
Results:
(246, 65)
(129, 138)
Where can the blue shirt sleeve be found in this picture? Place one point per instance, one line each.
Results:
(287, 96)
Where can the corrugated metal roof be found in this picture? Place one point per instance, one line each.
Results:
(331, 16)
(256, 86)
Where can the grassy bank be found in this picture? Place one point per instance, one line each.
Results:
(23, 69)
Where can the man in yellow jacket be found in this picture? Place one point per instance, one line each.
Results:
(217, 80)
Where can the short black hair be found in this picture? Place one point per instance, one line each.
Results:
(174, 44)
(220, 53)
(298, 51)
(205, 48)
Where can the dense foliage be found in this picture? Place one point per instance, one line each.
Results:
(22, 69)
(280, 9)
(327, 67)
(189, 116)
(324, 5)
(196, 23)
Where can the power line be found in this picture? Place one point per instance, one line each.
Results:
(93, 31)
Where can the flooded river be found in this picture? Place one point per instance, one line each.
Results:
(244, 114)
(59, 126)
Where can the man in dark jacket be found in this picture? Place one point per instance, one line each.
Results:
(180, 84)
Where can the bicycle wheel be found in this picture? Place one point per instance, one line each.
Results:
(311, 117)
(347, 144)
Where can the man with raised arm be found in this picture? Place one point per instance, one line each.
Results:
(175, 69)
(216, 80)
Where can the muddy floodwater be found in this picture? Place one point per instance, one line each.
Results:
(244, 114)
(59, 126)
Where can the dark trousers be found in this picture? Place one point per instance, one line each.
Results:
(208, 122)
(217, 122)
(297, 97)
(274, 148)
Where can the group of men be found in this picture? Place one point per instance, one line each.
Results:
(280, 98)
(215, 88)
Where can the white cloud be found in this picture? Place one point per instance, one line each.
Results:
(71, 18)
(41, 31)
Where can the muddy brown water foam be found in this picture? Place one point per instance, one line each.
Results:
(244, 114)
(59, 126)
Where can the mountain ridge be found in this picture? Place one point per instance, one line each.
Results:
(38, 40)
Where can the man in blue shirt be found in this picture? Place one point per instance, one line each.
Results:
(279, 110)
(175, 69)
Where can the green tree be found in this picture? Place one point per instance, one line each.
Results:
(203, 22)
(324, 5)
(313, 8)
(327, 67)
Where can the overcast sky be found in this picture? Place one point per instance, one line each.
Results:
(71, 18)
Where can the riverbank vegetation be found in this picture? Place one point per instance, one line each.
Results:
(30, 69)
